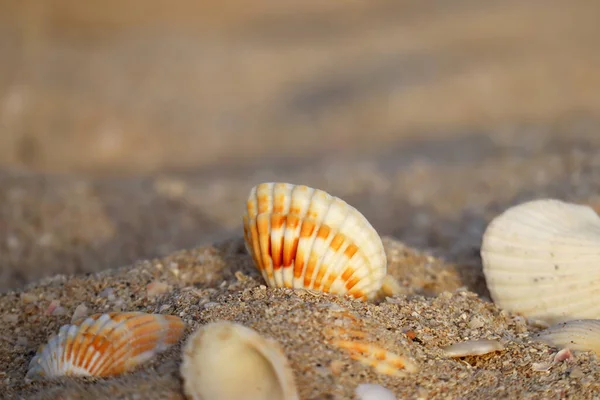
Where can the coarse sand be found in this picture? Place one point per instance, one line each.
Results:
(431, 214)
(220, 283)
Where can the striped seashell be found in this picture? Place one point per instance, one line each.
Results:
(105, 344)
(358, 346)
(228, 361)
(540, 259)
(380, 359)
(302, 237)
(578, 335)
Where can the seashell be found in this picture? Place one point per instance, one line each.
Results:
(371, 391)
(541, 367)
(389, 288)
(578, 335)
(228, 361)
(381, 360)
(105, 345)
(302, 237)
(473, 348)
(80, 312)
(360, 349)
(540, 259)
(563, 355)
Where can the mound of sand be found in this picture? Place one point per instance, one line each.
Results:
(219, 282)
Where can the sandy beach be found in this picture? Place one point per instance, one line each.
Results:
(127, 155)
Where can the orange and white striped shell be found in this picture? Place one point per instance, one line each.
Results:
(105, 345)
(302, 237)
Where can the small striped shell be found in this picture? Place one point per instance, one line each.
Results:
(357, 343)
(578, 335)
(302, 237)
(228, 361)
(541, 258)
(380, 359)
(105, 344)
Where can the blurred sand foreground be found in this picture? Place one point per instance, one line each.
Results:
(131, 130)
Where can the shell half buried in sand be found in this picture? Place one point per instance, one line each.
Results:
(302, 237)
(370, 391)
(105, 344)
(228, 361)
(541, 258)
(578, 335)
(473, 348)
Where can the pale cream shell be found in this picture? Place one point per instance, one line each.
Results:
(473, 348)
(579, 335)
(390, 288)
(228, 361)
(541, 259)
(300, 237)
(372, 391)
(105, 344)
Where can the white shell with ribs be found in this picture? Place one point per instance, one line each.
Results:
(542, 259)
(578, 335)
(228, 361)
(302, 237)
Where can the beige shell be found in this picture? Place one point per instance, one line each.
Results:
(541, 259)
(105, 345)
(579, 335)
(372, 391)
(473, 348)
(228, 361)
(389, 288)
(302, 237)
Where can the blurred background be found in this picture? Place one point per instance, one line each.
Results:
(131, 129)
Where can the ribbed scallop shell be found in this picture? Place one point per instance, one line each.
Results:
(302, 237)
(105, 345)
(542, 259)
(581, 335)
(228, 361)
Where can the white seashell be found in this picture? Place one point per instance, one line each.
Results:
(473, 348)
(105, 345)
(563, 355)
(541, 367)
(80, 312)
(305, 238)
(390, 288)
(540, 259)
(371, 391)
(228, 361)
(578, 335)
